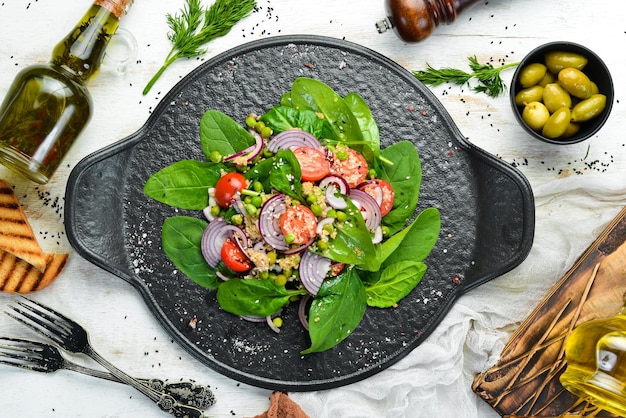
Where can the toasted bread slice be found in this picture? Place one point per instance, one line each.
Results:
(16, 235)
(18, 276)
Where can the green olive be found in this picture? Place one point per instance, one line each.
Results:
(535, 114)
(589, 108)
(530, 94)
(531, 74)
(594, 88)
(557, 60)
(575, 82)
(572, 129)
(547, 79)
(557, 123)
(555, 96)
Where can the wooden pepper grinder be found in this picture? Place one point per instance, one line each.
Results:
(415, 20)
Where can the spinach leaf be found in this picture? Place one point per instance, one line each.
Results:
(283, 118)
(369, 129)
(184, 184)
(218, 132)
(353, 242)
(336, 311)
(285, 174)
(253, 297)
(405, 176)
(181, 236)
(415, 242)
(395, 282)
(311, 94)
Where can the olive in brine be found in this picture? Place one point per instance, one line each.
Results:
(535, 114)
(557, 123)
(547, 79)
(530, 94)
(589, 108)
(557, 60)
(531, 74)
(554, 97)
(572, 129)
(575, 82)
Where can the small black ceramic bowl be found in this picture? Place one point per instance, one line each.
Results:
(595, 70)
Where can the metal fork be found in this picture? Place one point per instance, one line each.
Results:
(74, 338)
(46, 358)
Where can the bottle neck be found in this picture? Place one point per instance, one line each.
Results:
(80, 53)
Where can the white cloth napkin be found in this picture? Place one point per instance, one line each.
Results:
(435, 379)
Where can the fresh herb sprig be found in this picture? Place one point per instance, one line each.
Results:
(197, 25)
(488, 76)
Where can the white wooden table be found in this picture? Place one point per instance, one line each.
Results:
(121, 326)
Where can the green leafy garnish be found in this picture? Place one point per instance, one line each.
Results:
(488, 76)
(378, 275)
(197, 25)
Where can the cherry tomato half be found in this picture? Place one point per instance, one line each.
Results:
(352, 167)
(234, 258)
(299, 222)
(227, 187)
(313, 163)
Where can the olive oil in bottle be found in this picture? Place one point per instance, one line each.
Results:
(596, 363)
(48, 105)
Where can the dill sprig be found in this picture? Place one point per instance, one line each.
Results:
(488, 76)
(197, 25)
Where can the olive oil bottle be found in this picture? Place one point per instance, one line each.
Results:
(596, 363)
(48, 105)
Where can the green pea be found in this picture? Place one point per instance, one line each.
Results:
(529, 94)
(251, 209)
(575, 82)
(557, 123)
(531, 74)
(271, 257)
(332, 213)
(215, 156)
(215, 210)
(341, 216)
(237, 219)
(278, 321)
(535, 114)
(280, 280)
(266, 132)
(555, 97)
(250, 121)
(557, 60)
(322, 245)
(289, 238)
(316, 209)
(257, 186)
(259, 126)
(589, 108)
(257, 201)
(341, 155)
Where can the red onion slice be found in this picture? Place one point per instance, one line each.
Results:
(334, 184)
(252, 151)
(302, 311)
(292, 138)
(313, 269)
(268, 222)
(369, 207)
(213, 237)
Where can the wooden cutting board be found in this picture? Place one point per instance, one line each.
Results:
(525, 381)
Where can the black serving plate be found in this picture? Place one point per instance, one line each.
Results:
(487, 210)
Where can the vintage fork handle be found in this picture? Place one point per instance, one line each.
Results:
(184, 391)
(164, 401)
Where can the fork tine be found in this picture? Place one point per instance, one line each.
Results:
(38, 321)
(21, 354)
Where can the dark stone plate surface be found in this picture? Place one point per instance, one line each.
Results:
(487, 210)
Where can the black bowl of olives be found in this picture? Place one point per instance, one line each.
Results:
(562, 93)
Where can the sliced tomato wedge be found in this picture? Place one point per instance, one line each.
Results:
(313, 163)
(299, 222)
(374, 187)
(353, 168)
(234, 258)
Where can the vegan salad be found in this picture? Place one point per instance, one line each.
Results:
(299, 205)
